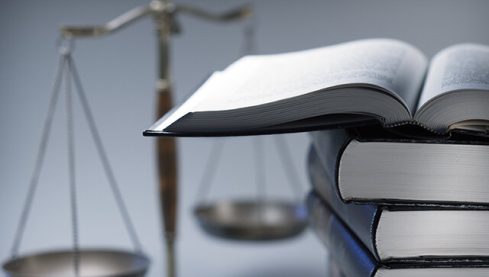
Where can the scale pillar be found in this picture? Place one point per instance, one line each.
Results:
(166, 147)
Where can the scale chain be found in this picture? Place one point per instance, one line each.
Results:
(248, 47)
(103, 156)
(39, 159)
(260, 176)
(288, 167)
(70, 135)
(210, 169)
(66, 71)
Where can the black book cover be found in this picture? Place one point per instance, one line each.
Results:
(331, 144)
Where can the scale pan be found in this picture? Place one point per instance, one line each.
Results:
(250, 220)
(93, 263)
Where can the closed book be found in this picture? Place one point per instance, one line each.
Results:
(407, 233)
(395, 170)
(355, 260)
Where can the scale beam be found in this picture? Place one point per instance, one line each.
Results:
(154, 8)
(236, 14)
(110, 27)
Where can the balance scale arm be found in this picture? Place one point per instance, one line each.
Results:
(154, 8)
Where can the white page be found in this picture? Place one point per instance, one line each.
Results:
(459, 67)
(211, 85)
(255, 80)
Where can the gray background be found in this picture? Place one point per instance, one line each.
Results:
(119, 73)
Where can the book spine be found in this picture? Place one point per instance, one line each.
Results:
(330, 145)
(361, 218)
(353, 259)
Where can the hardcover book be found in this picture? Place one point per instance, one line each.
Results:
(407, 233)
(355, 260)
(395, 170)
(365, 82)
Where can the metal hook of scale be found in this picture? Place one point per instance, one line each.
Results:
(260, 219)
(76, 262)
(65, 44)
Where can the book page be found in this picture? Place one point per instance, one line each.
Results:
(391, 65)
(212, 84)
(459, 67)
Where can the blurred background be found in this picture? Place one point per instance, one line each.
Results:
(119, 73)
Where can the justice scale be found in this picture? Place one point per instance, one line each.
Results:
(248, 219)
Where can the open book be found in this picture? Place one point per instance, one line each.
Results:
(350, 84)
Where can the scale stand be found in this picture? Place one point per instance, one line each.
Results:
(164, 13)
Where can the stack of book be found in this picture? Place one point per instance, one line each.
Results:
(388, 206)
(400, 165)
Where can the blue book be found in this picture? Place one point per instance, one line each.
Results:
(355, 260)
